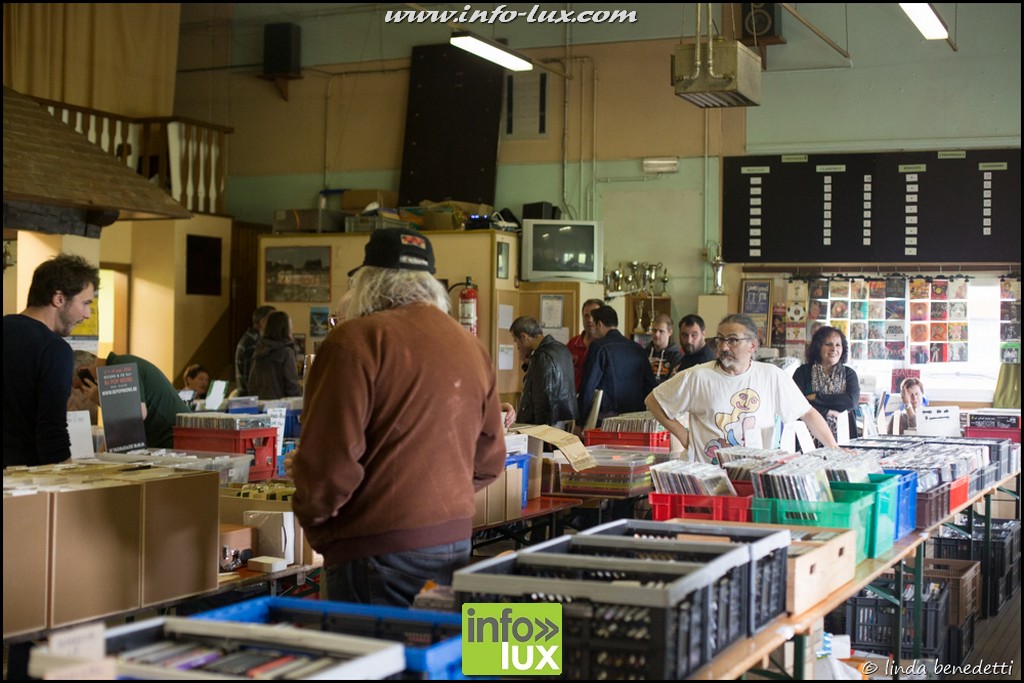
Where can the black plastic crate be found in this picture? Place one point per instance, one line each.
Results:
(1005, 545)
(621, 618)
(961, 641)
(933, 505)
(769, 550)
(729, 598)
(870, 619)
(1011, 582)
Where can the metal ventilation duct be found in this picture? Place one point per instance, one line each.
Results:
(726, 75)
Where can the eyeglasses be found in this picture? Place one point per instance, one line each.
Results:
(731, 341)
(333, 320)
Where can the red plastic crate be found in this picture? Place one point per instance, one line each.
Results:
(261, 444)
(743, 488)
(958, 492)
(598, 437)
(719, 508)
(992, 433)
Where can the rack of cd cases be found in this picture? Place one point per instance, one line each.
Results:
(192, 649)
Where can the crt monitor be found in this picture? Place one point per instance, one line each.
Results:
(562, 250)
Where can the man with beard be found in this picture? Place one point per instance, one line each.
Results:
(38, 363)
(695, 348)
(734, 401)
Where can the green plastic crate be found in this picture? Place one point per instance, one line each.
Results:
(885, 488)
(852, 510)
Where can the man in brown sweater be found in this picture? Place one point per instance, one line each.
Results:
(399, 429)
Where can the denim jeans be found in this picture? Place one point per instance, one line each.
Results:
(395, 578)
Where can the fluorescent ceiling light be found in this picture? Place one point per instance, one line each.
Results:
(491, 51)
(926, 19)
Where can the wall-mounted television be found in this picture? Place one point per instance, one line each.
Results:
(562, 250)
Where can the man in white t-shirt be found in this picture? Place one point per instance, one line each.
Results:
(730, 399)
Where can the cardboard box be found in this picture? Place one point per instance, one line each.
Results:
(95, 551)
(357, 200)
(26, 562)
(276, 532)
(232, 509)
(568, 443)
(238, 537)
(180, 529)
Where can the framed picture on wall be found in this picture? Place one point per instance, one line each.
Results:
(298, 274)
(756, 301)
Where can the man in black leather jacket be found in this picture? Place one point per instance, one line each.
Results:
(549, 386)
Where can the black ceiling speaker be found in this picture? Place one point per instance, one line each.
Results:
(760, 20)
(281, 50)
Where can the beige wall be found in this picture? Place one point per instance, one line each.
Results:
(32, 248)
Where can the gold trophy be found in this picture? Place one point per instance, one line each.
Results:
(638, 307)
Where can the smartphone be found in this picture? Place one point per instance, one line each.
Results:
(85, 374)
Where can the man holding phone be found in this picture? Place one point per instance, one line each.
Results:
(38, 362)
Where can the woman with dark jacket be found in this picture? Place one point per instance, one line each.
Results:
(829, 385)
(274, 373)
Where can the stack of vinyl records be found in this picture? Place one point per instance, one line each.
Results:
(223, 420)
(802, 478)
(642, 421)
(736, 453)
(695, 478)
(948, 463)
(843, 466)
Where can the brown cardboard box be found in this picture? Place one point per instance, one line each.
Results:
(238, 537)
(513, 492)
(26, 562)
(480, 507)
(496, 494)
(232, 508)
(95, 551)
(179, 532)
(357, 200)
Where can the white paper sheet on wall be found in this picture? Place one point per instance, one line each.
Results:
(506, 357)
(505, 312)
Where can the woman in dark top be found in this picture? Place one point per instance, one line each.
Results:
(274, 373)
(824, 379)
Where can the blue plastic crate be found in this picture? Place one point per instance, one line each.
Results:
(906, 511)
(433, 640)
(292, 425)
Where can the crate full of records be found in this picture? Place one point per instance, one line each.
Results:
(695, 490)
(231, 433)
(432, 640)
(620, 471)
(622, 616)
(194, 649)
(768, 555)
(629, 429)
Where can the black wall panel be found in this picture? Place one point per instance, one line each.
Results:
(917, 207)
(451, 127)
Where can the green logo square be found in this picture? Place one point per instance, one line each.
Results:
(511, 639)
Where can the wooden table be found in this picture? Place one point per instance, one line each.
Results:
(543, 514)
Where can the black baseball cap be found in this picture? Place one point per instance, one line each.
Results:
(400, 248)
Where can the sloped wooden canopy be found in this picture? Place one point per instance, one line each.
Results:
(57, 181)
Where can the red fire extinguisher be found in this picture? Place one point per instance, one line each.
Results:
(467, 306)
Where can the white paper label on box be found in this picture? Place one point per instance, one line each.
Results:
(80, 431)
(82, 642)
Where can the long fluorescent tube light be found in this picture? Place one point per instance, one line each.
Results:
(491, 51)
(926, 19)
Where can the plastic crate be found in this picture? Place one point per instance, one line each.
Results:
(870, 620)
(433, 640)
(993, 433)
(906, 508)
(958, 491)
(620, 471)
(961, 641)
(768, 555)
(261, 444)
(743, 488)
(665, 506)
(885, 488)
(292, 423)
(933, 506)
(984, 478)
(621, 618)
(729, 604)
(597, 437)
(1011, 582)
(851, 510)
(964, 580)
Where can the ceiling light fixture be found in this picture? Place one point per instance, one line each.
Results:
(490, 50)
(927, 20)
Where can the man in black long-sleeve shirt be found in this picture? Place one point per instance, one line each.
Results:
(38, 363)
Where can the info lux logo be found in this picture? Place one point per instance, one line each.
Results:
(501, 639)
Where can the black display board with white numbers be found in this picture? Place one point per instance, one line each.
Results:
(918, 207)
